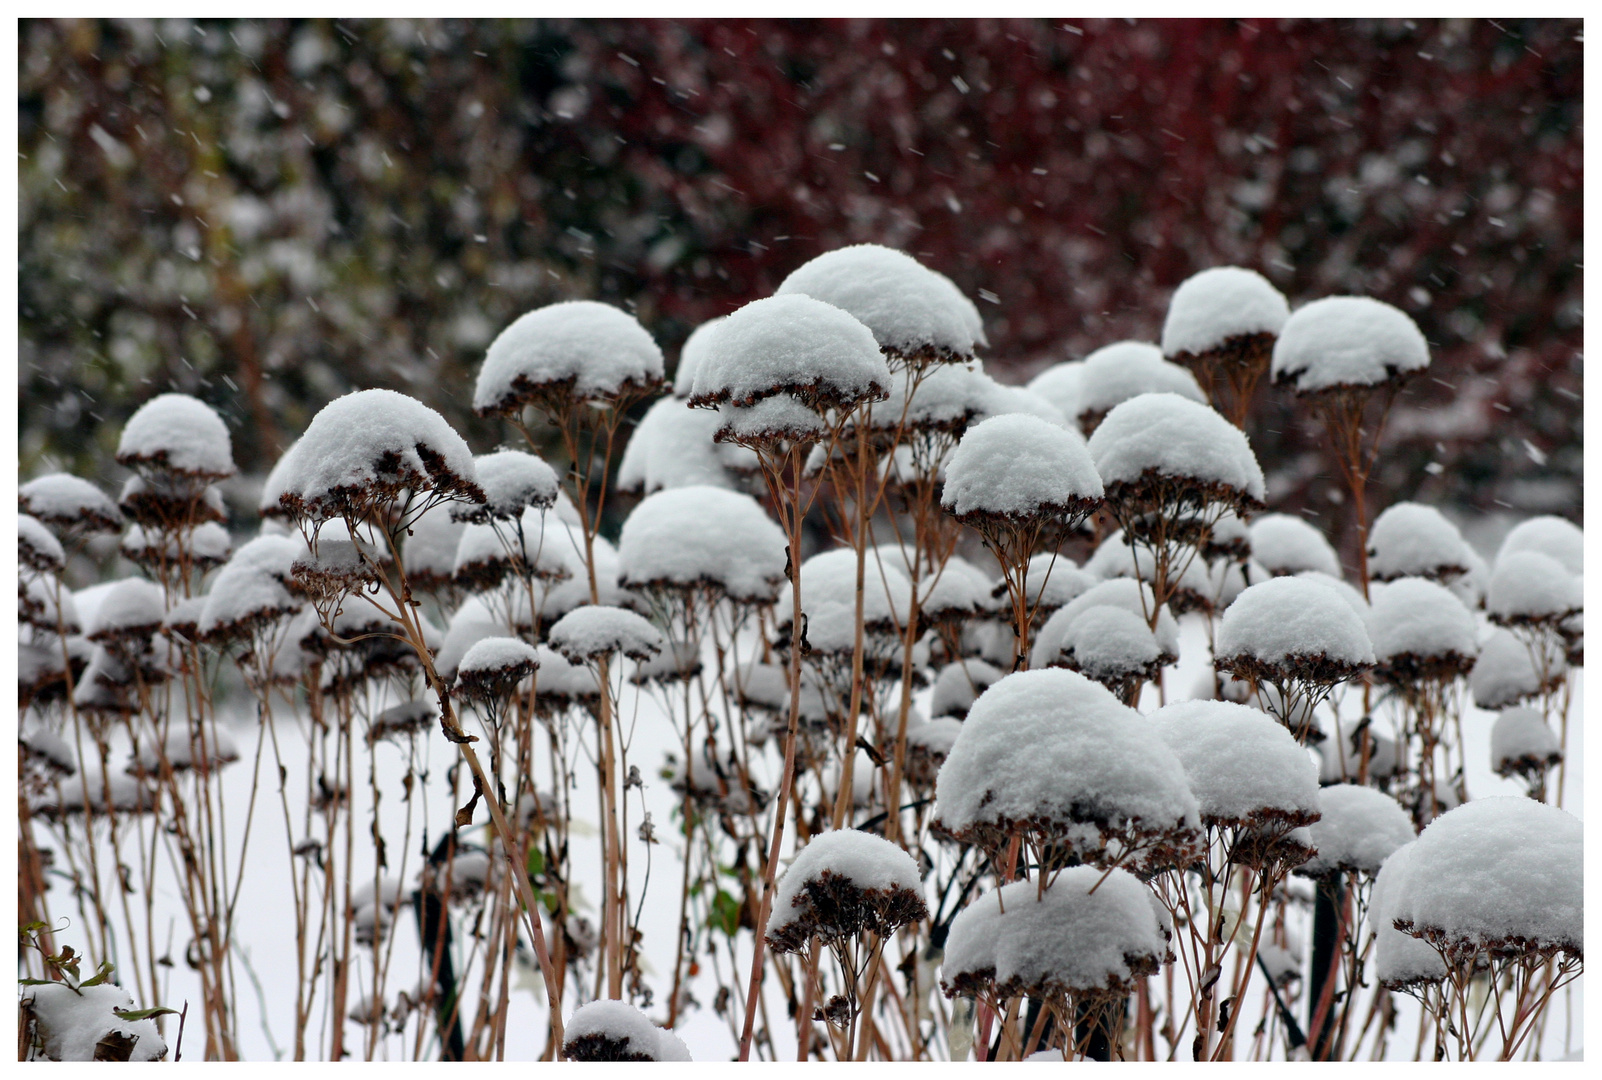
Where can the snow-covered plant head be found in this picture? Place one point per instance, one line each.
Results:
(1055, 760)
(587, 634)
(1286, 544)
(1079, 946)
(1412, 540)
(1222, 323)
(512, 481)
(567, 354)
(617, 1031)
(177, 447)
(1127, 369)
(1523, 745)
(1421, 633)
(1555, 537)
(1022, 483)
(917, 315)
(1298, 636)
(1358, 830)
(1401, 962)
(702, 541)
(1059, 384)
(69, 504)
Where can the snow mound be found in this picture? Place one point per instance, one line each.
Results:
(182, 746)
(616, 1031)
(1243, 767)
(1497, 872)
(998, 399)
(1400, 960)
(1131, 595)
(1529, 587)
(38, 547)
(1115, 373)
(132, 607)
(496, 656)
(781, 417)
(1359, 829)
(911, 310)
(1052, 580)
(1521, 742)
(1412, 540)
(374, 443)
(1414, 617)
(1224, 302)
(596, 349)
(830, 578)
(66, 501)
(698, 536)
(959, 592)
(1072, 940)
(843, 883)
(958, 685)
(1505, 673)
(943, 398)
(1286, 544)
(1059, 384)
(180, 434)
(1347, 341)
(793, 345)
(587, 633)
(1019, 467)
(1285, 622)
(512, 481)
(691, 353)
(428, 553)
(72, 1022)
(1110, 644)
(1552, 536)
(1173, 436)
(675, 446)
(252, 589)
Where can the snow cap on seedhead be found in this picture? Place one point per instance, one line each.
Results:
(1412, 540)
(815, 353)
(1292, 628)
(1506, 674)
(252, 590)
(1358, 830)
(1133, 596)
(1531, 588)
(914, 313)
(132, 609)
(1522, 744)
(577, 350)
(674, 446)
(689, 537)
(179, 434)
(1400, 960)
(587, 633)
(37, 546)
(65, 501)
(1059, 384)
(1243, 768)
(770, 422)
(1347, 342)
(691, 353)
(1420, 630)
(1221, 306)
(493, 666)
(1164, 437)
(1019, 468)
(610, 1030)
(844, 882)
(1286, 544)
(512, 481)
(1115, 373)
(1554, 536)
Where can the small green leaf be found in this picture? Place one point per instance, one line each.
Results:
(145, 1014)
(100, 976)
(725, 913)
(536, 862)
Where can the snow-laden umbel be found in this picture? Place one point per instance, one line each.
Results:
(512, 481)
(1091, 933)
(366, 448)
(1500, 874)
(71, 1022)
(1133, 596)
(771, 422)
(1522, 744)
(998, 399)
(37, 546)
(252, 591)
(1347, 342)
(68, 502)
(691, 353)
(577, 350)
(428, 552)
(1400, 960)
(493, 666)
(1055, 757)
(616, 1031)
(1113, 646)
(178, 434)
(1412, 540)
(1243, 768)
(131, 610)
(915, 314)
(1220, 308)
(843, 883)
(1506, 674)
(674, 446)
(1290, 627)
(959, 592)
(1420, 630)
(1286, 544)
(1059, 384)
(1552, 536)
(588, 633)
(945, 398)
(1532, 589)
(698, 537)
(1020, 468)
(829, 581)
(1115, 373)
(1165, 437)
(816, 354)
(1357, 830)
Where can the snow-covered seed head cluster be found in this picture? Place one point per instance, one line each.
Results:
(842, 884)
(565, 354)
(1347, 343)
(1223, 318)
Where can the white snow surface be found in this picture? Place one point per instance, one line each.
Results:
(597, 345)
(1072, 938)
(786, 341)
(1498, 867)
(960, 587)
(1240, 762)
(960, 683)
(346, 438)
(1000, 399)
(40, 593)
(1109, 642)
(1174, 436)
(1115, 373)
(1412, 540)
(180, 434)
(1043, 741)
(496, 654)
(1505, 674)
(253, 581)
(1530, 585)
(31, 533)
(1398, 958)
(1017, 465)
(133, 603)
(830, 577)
(209, 542)
(1416, 617)
(586, 633)
(1288, 544)
(72, 1023)
(1059, 384)
(864, 859)
(1347, 341)
(907, 306)
(1287, 617)
(781, 416)
(1359, 829)
(1519, 733)
(1114, 558)
(1217, 304)
(63, 497)
(943, 394)
(674, 446)
(691, 353)
(1133, 596)
(1554, 536)
(514, 480)
(703, 535)
(618, 1021)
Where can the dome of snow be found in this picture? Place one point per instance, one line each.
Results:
(1288, 622)
(812, 352)
(1053, 580)
(610, 1030)
(1400, 960)
(1527, 586)
(674, 446)
(1116, 373)
(598, 350)
(1358, 830)
(1127, 593)
(1243, 767)
(131, 607)
(586, 633)
(496, 656)
(1497, 871)
(1521, 742)
(1505, 673)
(180, 434)
(1220, 304)
(959, 684)
(942, 398)
(252, 588)
(1414, 617)
(842, 883)
(1172, 436)
(72, 1022)
(1059, 384)
(1411, 540)
(1053, 745)
(1555, 537)
(1019, 467)
(513, 481)
(703, 536)
(691, 353)
(959, 591)
(374, 442)
(66, 501)
(1287, 544)
(1347, 341)
(999, 399)
(38, 547)
(911, 310)
(829, 580)
(428, 554)
(1111, 645)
